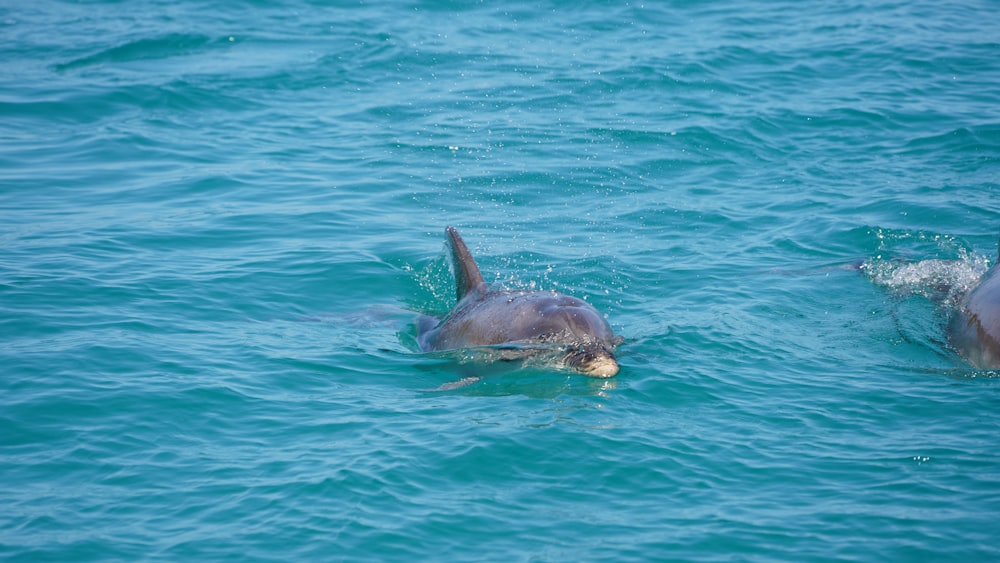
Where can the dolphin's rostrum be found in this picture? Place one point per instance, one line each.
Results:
(519, 323)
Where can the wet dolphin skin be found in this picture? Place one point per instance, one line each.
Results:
(975, 326)
(530, 322)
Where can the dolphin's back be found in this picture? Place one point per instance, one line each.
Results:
(499, 317)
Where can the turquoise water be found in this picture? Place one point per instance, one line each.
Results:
(218, 223)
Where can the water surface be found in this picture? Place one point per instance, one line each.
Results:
(218, 223)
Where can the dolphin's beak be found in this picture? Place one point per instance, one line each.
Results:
(600, 365)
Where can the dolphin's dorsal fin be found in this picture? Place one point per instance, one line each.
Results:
(467, 276)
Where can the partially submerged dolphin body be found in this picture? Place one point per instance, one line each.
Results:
(967, 290)
(518, 324)
(975, 325)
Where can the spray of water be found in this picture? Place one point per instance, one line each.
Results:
(945, 281)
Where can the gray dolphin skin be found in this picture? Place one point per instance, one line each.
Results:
(975, 326)
(524, 323)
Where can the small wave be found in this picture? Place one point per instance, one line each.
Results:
(142, 50)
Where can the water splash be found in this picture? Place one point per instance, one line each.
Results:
(437, 284)
(945, 281)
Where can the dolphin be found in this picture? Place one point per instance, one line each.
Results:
(975, 324)
(518, 324)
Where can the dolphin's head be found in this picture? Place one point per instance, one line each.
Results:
(593, 360)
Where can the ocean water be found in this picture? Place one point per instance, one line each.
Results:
(219, 221)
